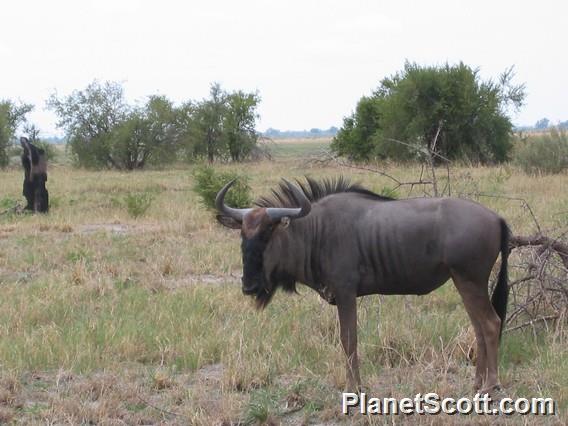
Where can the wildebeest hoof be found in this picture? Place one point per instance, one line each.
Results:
(356, 389)
(491, 390)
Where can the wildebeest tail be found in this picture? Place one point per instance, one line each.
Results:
(501, 292)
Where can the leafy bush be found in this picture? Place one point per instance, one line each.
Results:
(15, 151)
(104, 131)
(7, 203)
(543, 154)
(263, 404)
(138, 203)
(208, 182)
(416, 103)
(50, 150)
(9, 207)
(11, 116)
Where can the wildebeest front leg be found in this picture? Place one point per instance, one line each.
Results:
(347, 310)
(28, 193)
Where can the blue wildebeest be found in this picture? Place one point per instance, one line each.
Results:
(35, 175)
(345, 241)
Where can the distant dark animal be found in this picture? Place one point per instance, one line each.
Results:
(35, 170)
(345, 241)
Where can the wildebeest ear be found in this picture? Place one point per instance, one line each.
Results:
(227, 221)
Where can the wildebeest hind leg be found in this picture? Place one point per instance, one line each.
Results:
(347, 310)
(486, 324)
(481, 354)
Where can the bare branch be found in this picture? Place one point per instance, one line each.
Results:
(541, 240)
(532, 322)
(505, 197)
(162, 410)
(432, 151)
(330, 158)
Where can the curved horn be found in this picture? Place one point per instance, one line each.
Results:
(236, 214)
(277, 213)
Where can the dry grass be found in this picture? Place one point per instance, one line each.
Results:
(109, 319)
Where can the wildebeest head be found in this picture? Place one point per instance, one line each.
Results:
(257, 226)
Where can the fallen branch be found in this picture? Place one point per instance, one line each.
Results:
(325, 158)
(542, 294)
(162, 410)
(541, 240)
(17, 209)
(532, 322)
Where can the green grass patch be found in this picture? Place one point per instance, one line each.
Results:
(300, 150)
(138, 203)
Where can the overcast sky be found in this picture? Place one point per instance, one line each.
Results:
(310, 61)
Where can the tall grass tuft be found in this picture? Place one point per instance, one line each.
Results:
(543, 154)
(138, 203)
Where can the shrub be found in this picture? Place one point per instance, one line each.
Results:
(15, 151)
(543, 154)
(208, 182)
(138, 203)
(451, 104)
(7, 203)
(50, 150)
(9, 207)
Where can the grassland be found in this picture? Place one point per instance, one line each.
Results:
(290, 149)
(107, 319)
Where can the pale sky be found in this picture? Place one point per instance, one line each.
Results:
(310, 61)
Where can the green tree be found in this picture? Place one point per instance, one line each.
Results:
(88, 117)
(165, 129)
(146, 135)
(102, 130)
(412, 105)
(208, 124)
(223, 126)
(239, 124)
(11, 116)
(543, 123)
(186, 130)
(355, 138)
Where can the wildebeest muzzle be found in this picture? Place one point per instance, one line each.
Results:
(253, 271)
(249, 290)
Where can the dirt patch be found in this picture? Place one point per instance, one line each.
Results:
(6, 231)
(193, 279)
(156, 395)
(14, 277)
(135, 395)
(128, 397)
(116, 228)
(211, 374)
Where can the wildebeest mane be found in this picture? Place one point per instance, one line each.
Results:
(315, 190)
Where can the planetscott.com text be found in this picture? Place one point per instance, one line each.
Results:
(432, 403)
